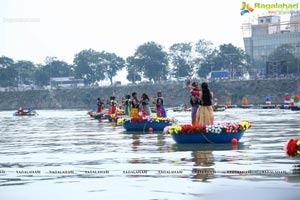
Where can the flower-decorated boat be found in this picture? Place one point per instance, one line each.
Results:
(144, 124)
(222, 132)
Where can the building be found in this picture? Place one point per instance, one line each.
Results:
(66, 82)
(270, 32)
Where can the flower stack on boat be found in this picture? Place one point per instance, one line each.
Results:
(222, 132)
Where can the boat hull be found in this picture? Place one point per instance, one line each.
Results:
(144, 126)
(25, 114)
(294, 108)
(268, 107)
(207, 137)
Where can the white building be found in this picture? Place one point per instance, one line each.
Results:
(66, 82)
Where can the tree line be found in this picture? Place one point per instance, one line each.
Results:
(150, 61)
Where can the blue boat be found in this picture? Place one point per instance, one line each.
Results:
(207, 137)
(268, 106)
(294, 108)
(144, 126)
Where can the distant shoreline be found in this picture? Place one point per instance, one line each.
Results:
(174, 94)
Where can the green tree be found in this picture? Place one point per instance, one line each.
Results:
(8, 74)
(87, 66)
(57, 68)
(210, 63)
(52, 68)
(41, 76)
(152, 60)
(110, 63)
(133, 70)
(284, 53)
(226, 57)
(201, 50)
(180, 55)
(25, 70)
(232, 57)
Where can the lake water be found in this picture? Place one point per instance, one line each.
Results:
(64, 154)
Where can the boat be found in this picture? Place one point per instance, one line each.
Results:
(207, 138)
(114, 117)
(146, 123)
(268, 106)
(232, 106)
(26, 113)
(246, 106)
(221, 132)
(91, 113)
(294, 108)
(245, 103)
(145, 126)
(219, 108)
(98, 115)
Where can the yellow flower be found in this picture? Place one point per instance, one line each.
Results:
(174, 129)
(244, 125)
(120, 121)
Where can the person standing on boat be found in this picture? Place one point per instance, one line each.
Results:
(112, 105)
(135, 105)
(194, 99)
(205, 114)
(146, 110)
(99, 105)
(127, 104)
(160, 110)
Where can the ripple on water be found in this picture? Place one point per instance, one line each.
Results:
(70, 140)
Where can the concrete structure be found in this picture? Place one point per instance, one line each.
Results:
(66, 82)
(263, 38)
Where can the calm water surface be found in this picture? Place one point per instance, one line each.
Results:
(64, 154)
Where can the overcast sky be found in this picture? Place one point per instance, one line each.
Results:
(34, 29)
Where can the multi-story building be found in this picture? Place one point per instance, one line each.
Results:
(270, 32)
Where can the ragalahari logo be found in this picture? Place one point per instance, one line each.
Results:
(246, 8)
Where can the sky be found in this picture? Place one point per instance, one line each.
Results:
(34, 29)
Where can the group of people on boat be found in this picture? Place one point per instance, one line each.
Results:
(134, 106)
(21, 112)
(202, 105)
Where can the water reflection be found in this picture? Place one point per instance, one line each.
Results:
(135, 142)
(209, 147)
(204, 160)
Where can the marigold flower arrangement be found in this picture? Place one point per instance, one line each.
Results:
(221, 127)
(149, 119)
(292, 148)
